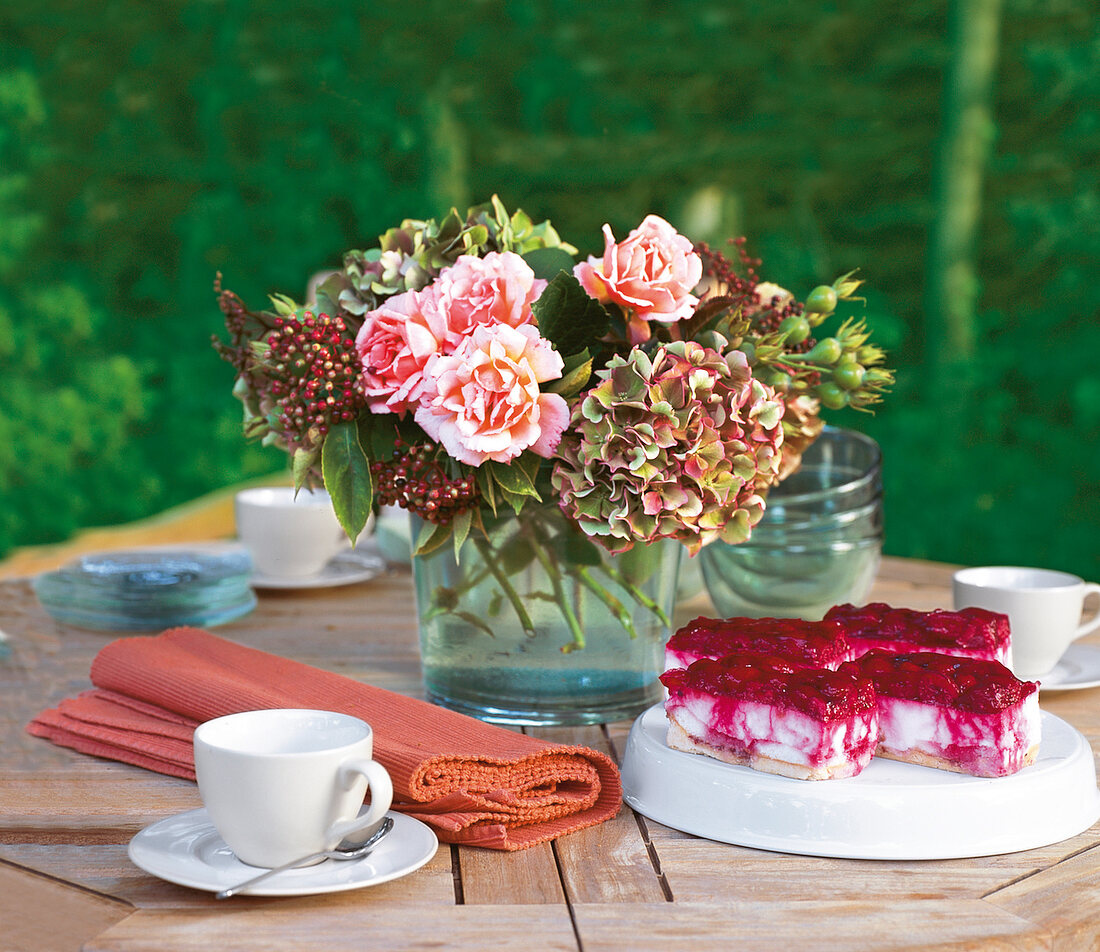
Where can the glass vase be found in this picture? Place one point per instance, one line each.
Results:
(534, 623)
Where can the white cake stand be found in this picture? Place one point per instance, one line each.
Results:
(890, 811)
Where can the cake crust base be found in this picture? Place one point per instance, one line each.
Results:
(679, 739)
(926, 759)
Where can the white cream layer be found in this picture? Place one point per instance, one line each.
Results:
(1001, 738)
(786, 735)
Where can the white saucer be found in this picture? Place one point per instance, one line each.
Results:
(1078, 668)
(890, 811)
(187, 850)
(342, 570)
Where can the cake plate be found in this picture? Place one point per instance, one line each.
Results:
(891, 811)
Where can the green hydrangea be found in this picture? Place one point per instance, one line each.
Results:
(679, 445)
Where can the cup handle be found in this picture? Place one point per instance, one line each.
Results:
(381, 796)
(1093, 623)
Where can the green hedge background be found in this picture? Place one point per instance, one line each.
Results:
(950, 150)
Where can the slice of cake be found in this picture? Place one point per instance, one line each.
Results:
(769, 714)
(969, 633)
(815, 644)
(961, 714)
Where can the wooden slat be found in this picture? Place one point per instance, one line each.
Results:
(1065, 898)
(808, 926)
(365, 923)
(607, 863)
(39, 914)
(526, 877)
(107, 870)
(696, 867)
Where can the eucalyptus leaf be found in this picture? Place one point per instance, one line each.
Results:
(347, 478)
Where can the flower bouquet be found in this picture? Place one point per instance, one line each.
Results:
(558, 429)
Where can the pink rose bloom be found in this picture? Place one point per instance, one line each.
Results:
(496, 289)
(483, 402)
(394, 344)
(651, 273)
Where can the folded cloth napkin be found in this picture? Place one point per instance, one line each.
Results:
(472, 782)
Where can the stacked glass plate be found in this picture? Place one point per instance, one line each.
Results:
(150, 589)
(819, 543)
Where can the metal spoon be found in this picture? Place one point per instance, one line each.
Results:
(341, 852)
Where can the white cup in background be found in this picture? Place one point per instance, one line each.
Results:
(1044, 610)
(288, 534)
(283, 783)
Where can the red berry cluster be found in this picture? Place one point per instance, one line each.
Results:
(741, 281)
(314, 367)
(414, 480)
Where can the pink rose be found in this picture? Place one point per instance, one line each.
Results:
(651, 273)
(483, 402)
(394, 344)
(496, 289)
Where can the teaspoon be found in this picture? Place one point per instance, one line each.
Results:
(354, 851)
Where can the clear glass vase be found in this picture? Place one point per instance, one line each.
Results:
(536, 624)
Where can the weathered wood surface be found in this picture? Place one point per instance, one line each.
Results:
(629, 884)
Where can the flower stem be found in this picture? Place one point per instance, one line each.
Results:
(617, 608)
(636, 593)
(490, 560)
(553, 572)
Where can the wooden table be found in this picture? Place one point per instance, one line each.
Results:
(630, 883)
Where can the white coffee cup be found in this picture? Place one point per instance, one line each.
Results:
(1044, 610)
(290, 535)
(280, 784)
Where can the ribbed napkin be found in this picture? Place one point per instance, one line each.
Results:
(472, 782)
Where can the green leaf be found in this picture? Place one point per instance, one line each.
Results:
(347, 477)
(516, 500)
(516, 478)
(303, 461)
(431, 537)
(485, 484)
(568, 317)
(284, 306)
(580, 550)
(460, 527)
(547, 262)
(515, 555)
(575, 375)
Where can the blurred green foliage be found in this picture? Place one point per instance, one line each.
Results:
(144, 147)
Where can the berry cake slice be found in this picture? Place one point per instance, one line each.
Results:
(812, 644)
(969, 633)
(766, 713)
(961, 714)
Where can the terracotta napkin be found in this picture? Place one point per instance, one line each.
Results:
(472, 782)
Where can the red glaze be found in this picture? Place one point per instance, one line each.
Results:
(974, 630)
(812, 643)
(966, 684)
(822, 694)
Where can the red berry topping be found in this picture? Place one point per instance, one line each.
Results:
(810, 643)
(822, 694)
(969, 684)
(973, 629)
